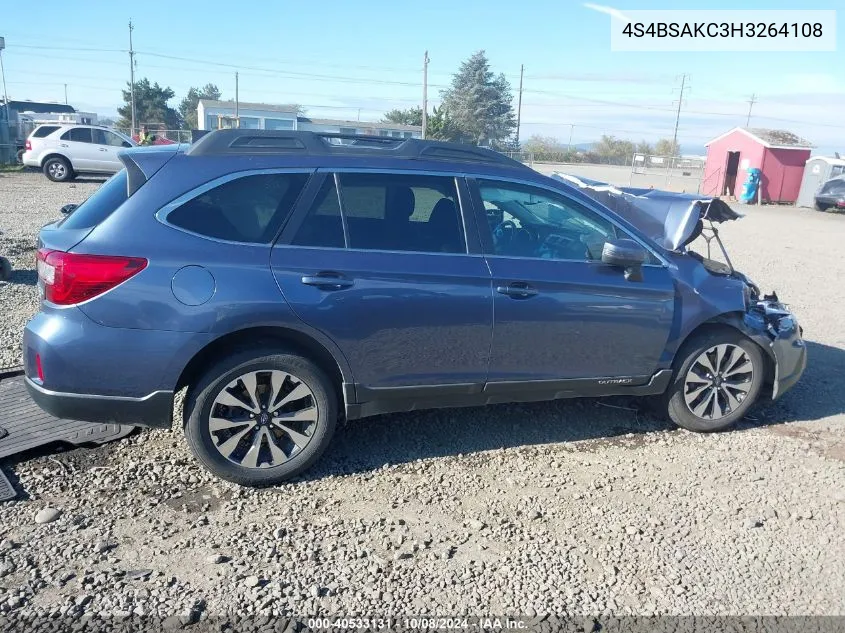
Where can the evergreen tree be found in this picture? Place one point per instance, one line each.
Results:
(478, 103)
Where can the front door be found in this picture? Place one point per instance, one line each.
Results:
(379, 262)
(560, 313)
(108, 144)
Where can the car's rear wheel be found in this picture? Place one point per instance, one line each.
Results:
(257, 419)
(58, 169)
(718, 376)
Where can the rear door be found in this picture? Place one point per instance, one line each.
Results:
(108, 144)
(561, 314)
(381, 263)
(78, 145)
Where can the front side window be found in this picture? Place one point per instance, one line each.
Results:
(104, 137)
(398, 212)
(78, 134)
(527, 221)
(247, 209)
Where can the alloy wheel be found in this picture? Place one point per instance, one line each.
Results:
(57, 170)
(263, 419)
(718, 381)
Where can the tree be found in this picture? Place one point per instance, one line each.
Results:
(665, 147)
(613, 150)
(188, 105)
(544, 145)
(150, 106)
(440, 126)
(411, 116)
(479, 103)
(644, 147)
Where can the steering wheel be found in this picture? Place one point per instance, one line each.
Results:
(504, 232)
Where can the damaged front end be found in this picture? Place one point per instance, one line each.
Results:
(770, 323)
(713, 289)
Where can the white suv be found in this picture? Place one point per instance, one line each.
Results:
(62, 151)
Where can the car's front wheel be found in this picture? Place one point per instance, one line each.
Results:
(58, 169)
(718, 376)
(257, 419)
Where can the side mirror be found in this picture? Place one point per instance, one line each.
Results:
(126, 144)
(626, 254)
(68, 209)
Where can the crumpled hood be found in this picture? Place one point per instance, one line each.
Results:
(671, 219)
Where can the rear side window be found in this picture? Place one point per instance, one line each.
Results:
(247, 209)
(78, 134)
(100, 205)
(44, 130)
(398, 212)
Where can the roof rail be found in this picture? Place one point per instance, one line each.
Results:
(250, 142)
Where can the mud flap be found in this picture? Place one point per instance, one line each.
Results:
(23, 425)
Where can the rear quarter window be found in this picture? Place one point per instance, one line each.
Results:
(247, 209)
(100, 205)
(44, 130)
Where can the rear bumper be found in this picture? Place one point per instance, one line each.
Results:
(153, 410)
(30, 159)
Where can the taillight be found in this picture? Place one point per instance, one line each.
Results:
(28, 145)
(69, 278)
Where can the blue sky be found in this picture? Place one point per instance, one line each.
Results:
(338, 57)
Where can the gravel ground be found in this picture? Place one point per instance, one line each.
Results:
(578, 508)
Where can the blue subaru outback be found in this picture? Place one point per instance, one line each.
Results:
(290, 279)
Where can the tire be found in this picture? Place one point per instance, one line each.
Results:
(743, 372)
(280, 449)
(822, 207)
(58, 169)
(5, 269)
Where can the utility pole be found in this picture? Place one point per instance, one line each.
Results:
(678, 116)
(3, 72)
(131, 79)
(65, 94)
(519, 104)
(751, 103)
(425, 94)
(571, 130)
(237, 103)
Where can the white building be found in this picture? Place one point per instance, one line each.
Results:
(212, 115)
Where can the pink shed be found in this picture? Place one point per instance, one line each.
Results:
(780, 155)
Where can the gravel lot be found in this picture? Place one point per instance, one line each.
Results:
(573, 507)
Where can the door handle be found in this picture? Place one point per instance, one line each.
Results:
(517, 290)
(103, 149)
(327, 281)
(62, 144)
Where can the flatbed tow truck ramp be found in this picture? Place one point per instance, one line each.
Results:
(23, 425)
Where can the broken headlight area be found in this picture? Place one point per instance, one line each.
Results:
(769, 314)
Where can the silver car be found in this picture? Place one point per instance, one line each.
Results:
(63, 151)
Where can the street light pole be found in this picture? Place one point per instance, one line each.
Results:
(425, 95)
(131, 79)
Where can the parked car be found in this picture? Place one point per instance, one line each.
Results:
(831, 196)
(63, 151)
(288, 281)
